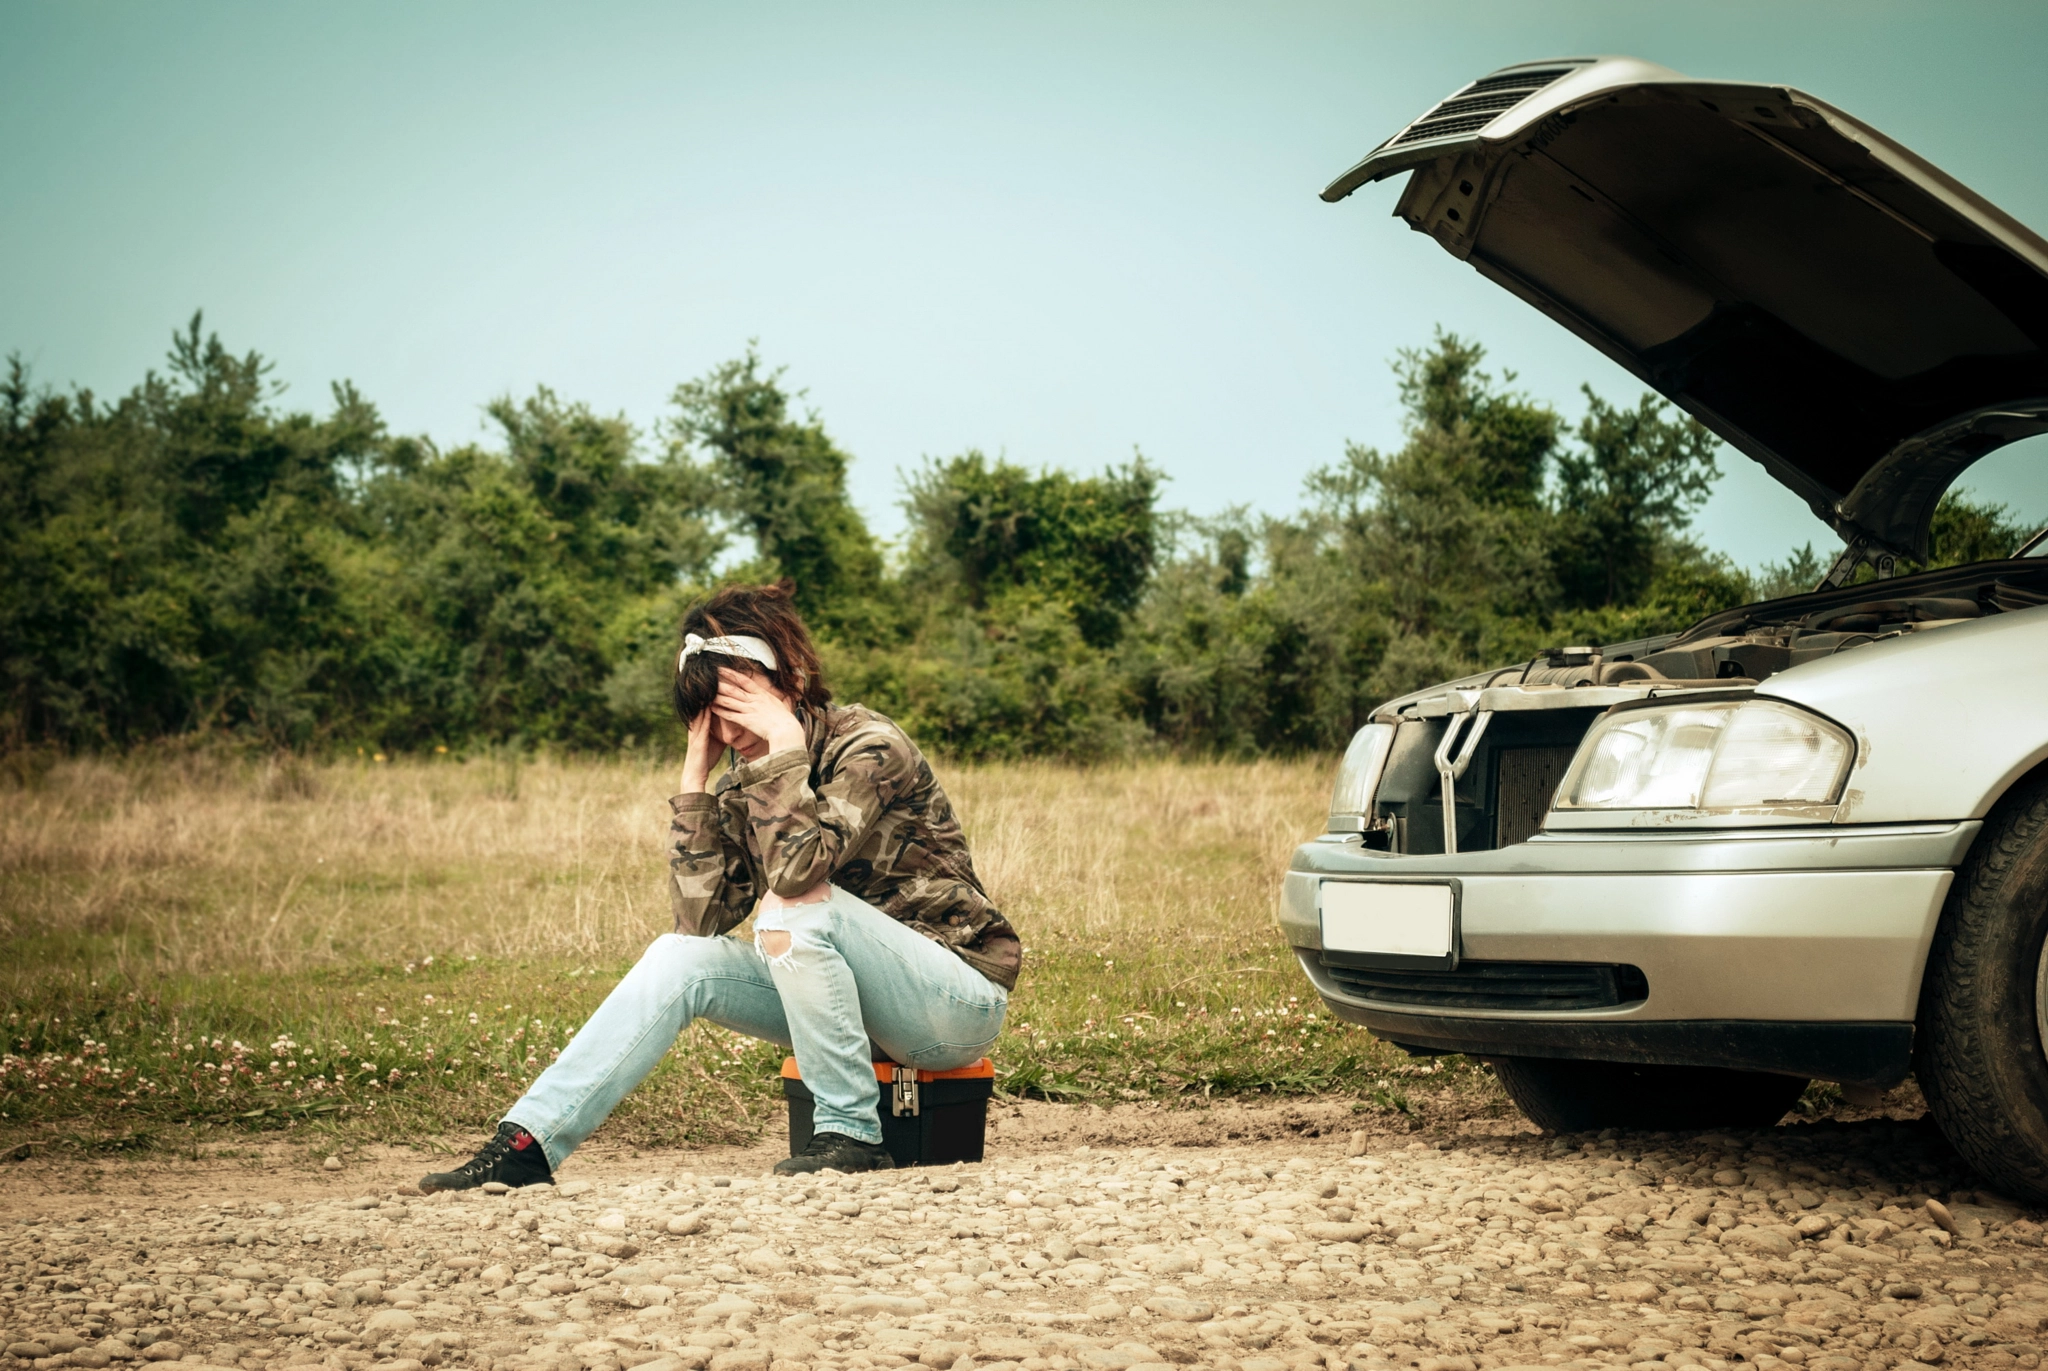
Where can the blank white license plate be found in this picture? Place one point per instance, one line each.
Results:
(1388, 919)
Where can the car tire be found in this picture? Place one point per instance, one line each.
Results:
(1980, 1052)
(1579, 1097)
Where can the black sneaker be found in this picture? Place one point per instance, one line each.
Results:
(514, 1157)
(836, 1152)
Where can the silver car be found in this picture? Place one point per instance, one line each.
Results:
(1666, 883)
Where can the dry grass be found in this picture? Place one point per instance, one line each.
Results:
(215, 866)
(402, 917)
(1195, 849)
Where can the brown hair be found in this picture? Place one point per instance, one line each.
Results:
(764, 612)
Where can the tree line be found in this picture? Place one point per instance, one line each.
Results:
(194, 558)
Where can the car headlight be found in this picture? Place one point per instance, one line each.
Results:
(1358, 778)
(1722, 754)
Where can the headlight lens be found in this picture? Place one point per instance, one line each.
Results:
(1358, 778)
(1729, 754)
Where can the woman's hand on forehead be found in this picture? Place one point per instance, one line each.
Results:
(737, 687)
(750, 702)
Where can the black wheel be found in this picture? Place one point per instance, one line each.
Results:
(1577, 1097)
(1979, 1055)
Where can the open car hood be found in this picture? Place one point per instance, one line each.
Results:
(1830, 304)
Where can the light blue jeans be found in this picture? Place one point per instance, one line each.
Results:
(851, 973)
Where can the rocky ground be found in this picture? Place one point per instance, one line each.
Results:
(1289, 1244)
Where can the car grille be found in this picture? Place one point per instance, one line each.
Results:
(1473, 107)
(1525, 780)
(1498, 985)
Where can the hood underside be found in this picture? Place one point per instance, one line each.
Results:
(1828, 303)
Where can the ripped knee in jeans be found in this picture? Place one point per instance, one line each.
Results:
(772, 936)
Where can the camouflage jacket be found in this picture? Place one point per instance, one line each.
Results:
(862, 808)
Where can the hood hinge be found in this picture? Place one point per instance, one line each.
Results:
(1860, 548)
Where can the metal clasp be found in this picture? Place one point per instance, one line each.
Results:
(1449, 768)
(903, 1091)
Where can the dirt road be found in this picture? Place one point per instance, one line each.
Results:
(1239, 1239)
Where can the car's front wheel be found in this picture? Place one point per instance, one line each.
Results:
(1578, 1097)
(1982, 1054)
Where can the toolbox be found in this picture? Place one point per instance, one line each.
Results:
(929, 1118)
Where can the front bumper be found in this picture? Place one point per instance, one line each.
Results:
(1798, 952)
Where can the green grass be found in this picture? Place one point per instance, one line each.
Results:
(351, 1053)
(351, 953)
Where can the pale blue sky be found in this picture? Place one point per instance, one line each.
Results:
(1054, 231)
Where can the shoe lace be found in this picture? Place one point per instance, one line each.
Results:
(487, 1157)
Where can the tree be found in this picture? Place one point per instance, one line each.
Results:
(169, 557)
(501, 575)
(1800, 572)
(1508, 439)
(1230, 657)
(1450, 527)
(993, 528)
(195, 557)
(785, 482)
(1967, 531)
(1632, 485)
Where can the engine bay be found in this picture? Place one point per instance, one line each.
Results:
(1540, 710)
(1767, 638)
(1751, 643)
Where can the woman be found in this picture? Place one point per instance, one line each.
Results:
(871, 922)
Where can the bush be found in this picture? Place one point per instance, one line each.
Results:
(193, 562)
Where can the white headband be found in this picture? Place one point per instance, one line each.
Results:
(753, 649)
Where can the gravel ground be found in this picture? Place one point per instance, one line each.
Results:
(1835, 1246)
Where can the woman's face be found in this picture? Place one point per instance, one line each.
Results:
(726, 733)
